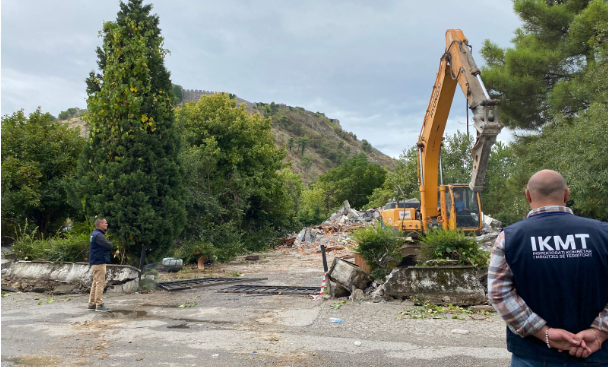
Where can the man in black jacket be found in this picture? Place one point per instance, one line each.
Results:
(99, 256)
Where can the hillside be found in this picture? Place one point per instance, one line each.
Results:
(326, 144)
(323, 142)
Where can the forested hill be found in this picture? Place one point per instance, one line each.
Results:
(314, 143)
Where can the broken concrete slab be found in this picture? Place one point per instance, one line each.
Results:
(68, 277)
(348, 275)
(433, 283)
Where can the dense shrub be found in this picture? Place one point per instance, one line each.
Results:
(380, 247)
(439, 244)
(70, 246)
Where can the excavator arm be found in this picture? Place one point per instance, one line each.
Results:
(456, 67)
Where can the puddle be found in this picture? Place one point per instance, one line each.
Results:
(32, 360)
(128, 314)
(180, 326)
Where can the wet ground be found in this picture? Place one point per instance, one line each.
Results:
(202, 327)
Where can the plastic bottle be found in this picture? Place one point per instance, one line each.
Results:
(336, 320)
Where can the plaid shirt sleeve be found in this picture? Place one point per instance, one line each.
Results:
(503, 295)
(601, 321)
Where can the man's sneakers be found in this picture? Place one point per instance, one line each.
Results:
(91, 308)
(102, 308)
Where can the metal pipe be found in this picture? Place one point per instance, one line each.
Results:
(483, 87)
(324, 259)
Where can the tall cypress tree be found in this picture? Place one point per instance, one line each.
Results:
(129, 171)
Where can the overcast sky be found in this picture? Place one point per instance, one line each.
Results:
(370, 64)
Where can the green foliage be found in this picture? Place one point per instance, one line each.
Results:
(440, 244)
(191, 251)
(542, 75)
(366, 146)
(237, 198)
(456, 158)
(178, 95)
(38, 158)
(129, 171)
(313, 209)
(353, 180)
(428, 310)
(404, 176)
(554, 83)
(69, 113)
(70, 246)
(380, 247)
(503, 197)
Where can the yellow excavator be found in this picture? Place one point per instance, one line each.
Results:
(450, 206)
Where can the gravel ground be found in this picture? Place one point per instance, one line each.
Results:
(233, 329)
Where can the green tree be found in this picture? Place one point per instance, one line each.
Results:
(302, 142)
(38, 157)
(306, 163)
(405, 176)
(233, 178)
(290, 143)
(543, 74)
(553, 82)
(366, 146)
(353, 180)
(129, 170)
(313, 209)
(178, 95)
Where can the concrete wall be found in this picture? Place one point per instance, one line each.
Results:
(28, 275)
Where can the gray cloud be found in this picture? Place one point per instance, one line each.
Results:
(370, 64)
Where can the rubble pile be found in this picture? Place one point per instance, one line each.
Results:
(334, 233)
(490, 230)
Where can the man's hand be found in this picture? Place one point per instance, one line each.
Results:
(564, 340)
(591, 339)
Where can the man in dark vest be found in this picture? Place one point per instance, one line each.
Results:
(99, 256)
(548, 279)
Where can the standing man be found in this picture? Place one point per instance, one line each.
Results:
(99, 256)
(548, 279)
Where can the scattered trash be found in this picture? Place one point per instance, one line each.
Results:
(460, 331)
(215, 355)
(336, 320)
(357, 343)
(254, 352)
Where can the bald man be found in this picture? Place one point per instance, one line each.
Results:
(548, 279)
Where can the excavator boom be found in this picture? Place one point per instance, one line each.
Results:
(456, 67)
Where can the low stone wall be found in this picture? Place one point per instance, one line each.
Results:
(46, 276)
(457, 285)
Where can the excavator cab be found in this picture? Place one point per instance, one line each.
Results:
(462, 206)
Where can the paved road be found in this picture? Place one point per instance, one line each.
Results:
(224, 329)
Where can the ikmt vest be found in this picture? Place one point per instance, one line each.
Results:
(97, 254)
(560, 268)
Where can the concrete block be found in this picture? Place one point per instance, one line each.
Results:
(459, 283)
(348, 275)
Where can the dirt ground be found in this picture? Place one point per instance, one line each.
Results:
(203, 327)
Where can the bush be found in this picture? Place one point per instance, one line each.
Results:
(380, 248)
(71, 246)
(439, 244)
(191, 251)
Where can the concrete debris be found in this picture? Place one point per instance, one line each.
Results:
(334, 233)
(357, 295)
(348, 275)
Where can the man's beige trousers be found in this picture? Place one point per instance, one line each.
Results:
(99, 283)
